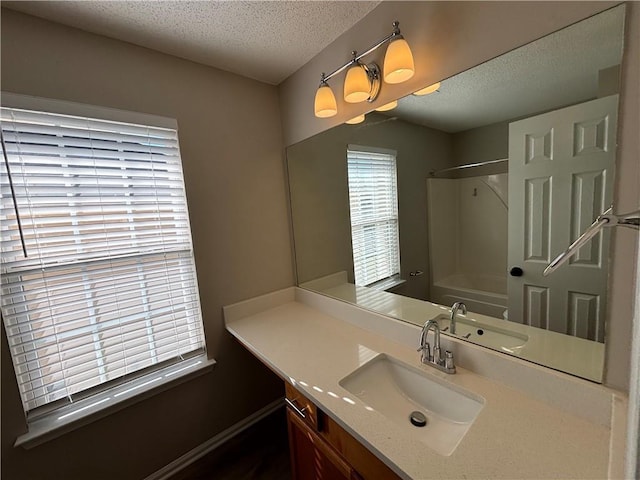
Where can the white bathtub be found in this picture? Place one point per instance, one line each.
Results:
(484, 294)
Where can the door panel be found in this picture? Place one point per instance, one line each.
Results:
(560, 179)
(537, 226)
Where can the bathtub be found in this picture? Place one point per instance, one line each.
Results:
(484, 294)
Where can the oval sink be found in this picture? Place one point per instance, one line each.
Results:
(397, 390)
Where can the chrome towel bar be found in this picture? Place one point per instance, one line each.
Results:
(607, 219)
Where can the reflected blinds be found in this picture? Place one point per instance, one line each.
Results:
(108, 284)
(373, 201)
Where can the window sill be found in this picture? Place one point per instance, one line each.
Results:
(103, 404)
(388, 283)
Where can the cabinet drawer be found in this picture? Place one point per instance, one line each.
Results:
(304, 408)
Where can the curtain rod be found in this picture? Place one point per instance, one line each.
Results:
(433, 173)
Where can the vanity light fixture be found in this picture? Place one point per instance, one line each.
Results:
(387, 106)
(362, 82)
(355, 120)
(325, 102)
(398, 61)
(428, 90)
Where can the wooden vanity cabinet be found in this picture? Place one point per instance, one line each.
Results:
(312, 458)
(322, 450)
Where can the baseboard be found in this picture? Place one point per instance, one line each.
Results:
(203, 449)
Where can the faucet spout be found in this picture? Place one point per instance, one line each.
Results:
(424, 344)
(436, 359)
(454, 310)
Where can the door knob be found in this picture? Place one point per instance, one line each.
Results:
(516, 272)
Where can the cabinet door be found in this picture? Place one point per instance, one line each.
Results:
(311, 457)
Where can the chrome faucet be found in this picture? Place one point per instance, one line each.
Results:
(454, 311)
(435, 360)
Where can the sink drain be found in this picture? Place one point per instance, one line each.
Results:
(418, 419)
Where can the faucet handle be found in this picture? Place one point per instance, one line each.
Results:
(437, 355)
(448, 360)
(426, 353)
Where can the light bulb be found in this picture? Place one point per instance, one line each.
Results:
(355, 120)
(388, 106)
(357, 87)
(398, 62)
(325, 102)
(428, 90)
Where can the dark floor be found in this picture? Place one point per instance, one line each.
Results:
(260, 452)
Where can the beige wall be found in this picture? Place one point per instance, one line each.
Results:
(320, 196)
(449, 37)
(444, 241)
(232, 153)
(481, 144)
(483, 228)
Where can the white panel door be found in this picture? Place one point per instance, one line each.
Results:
(560, 180)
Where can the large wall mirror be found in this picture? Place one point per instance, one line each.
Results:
(467, 193)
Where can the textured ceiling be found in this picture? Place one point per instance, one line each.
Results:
(557, 70)
(263, 40)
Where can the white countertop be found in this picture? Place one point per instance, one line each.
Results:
(514, 436)
(580, 357)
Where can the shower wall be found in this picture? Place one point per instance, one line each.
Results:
(467, 220)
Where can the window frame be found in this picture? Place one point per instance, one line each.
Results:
(52, 420)
(393, 278)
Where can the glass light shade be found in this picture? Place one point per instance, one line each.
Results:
(325, 102)
(428, 90)
(357, 87)
(354, 120)
(398, 62)
(388, 106)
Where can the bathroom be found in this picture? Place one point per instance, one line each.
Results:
(238, 193)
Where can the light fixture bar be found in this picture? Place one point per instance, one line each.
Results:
(355, 59)
(363, 81)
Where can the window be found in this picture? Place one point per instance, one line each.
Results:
(98, 275)
(373, 202)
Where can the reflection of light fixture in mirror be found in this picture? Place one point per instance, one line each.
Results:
(362, 81)
(388, 106)
(325, 102)
(355, 120)
(428, 90)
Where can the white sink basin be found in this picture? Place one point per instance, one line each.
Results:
(486, 335)
(396, 389)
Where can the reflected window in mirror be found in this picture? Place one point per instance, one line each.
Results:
(373, 207)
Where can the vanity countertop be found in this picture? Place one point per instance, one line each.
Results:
(580, 357)
(514, 436)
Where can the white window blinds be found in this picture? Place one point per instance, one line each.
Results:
(373, 201)
(108, 284)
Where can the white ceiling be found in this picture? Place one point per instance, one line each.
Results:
(263, 40)
(557, 70)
